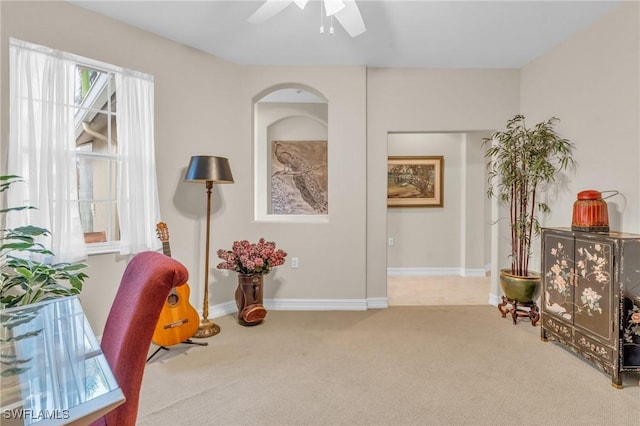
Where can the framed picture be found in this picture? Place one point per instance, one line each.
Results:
(299, 180)
(415, 181)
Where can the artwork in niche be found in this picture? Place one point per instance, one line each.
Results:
(415, 181)
(299, 178)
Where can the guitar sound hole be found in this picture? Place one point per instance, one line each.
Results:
(172, 299)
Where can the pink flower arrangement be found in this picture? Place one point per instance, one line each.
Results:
(251, 258)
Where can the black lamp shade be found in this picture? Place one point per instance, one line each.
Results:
(204, 168)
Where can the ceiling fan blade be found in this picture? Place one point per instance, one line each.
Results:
(332, 7)
(351, 19)
(301, 3)
(269, 9)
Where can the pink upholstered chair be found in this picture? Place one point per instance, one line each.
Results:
(126, 339)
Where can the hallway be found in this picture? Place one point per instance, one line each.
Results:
(438, 290)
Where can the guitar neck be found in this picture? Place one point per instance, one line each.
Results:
(166, 249)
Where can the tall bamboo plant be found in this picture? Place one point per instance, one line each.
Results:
(522, 162)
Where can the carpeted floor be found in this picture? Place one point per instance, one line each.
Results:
(431, 365)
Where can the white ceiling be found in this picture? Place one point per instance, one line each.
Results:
(416, 33)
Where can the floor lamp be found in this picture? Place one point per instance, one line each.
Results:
(210, 170)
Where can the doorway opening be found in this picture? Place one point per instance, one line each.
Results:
(440, 255)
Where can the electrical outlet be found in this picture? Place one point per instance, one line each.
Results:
(294, 263)
(391, 241)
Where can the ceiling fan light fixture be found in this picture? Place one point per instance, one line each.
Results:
(346, 12)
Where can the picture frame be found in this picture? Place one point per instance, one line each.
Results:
(415, 181)
(299, 178)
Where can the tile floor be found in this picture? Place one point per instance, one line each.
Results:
(441, 290)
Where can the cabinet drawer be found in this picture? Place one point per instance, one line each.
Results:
(558, 328)
(594, 348)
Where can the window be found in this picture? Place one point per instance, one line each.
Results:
(96, 154)
(88, 165)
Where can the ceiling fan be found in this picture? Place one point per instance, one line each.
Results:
(345, 11)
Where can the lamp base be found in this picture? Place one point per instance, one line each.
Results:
(207, 328)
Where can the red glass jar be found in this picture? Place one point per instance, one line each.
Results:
(590, 212)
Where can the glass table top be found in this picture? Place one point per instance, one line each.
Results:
(52, 370)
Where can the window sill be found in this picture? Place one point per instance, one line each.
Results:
(103, 248)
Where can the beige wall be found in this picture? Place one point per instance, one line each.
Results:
(432, 240)
(448, 240)
(194, 97)
(592, 83)
(428, 238)
(426, 100)
(204, 106)
(476, 206)
(331, 255)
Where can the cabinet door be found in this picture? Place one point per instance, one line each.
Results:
(630, 316)
(593, 287)
(558, 276)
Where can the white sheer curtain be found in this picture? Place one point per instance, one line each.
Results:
(42, 150)
(42, 147)
(138, 205)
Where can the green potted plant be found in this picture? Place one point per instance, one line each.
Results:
(522, 161)
(22, 280)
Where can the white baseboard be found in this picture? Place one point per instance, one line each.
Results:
(435, 272)
(222, 309)
(230, 307)
(494, 299)
(378, 303)
(316, 304)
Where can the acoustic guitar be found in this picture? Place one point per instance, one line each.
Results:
(178, 320)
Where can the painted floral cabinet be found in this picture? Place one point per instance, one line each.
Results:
(591, 297)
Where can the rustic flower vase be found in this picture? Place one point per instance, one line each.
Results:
(249, 299)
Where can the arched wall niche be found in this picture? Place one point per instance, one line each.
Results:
(284, 88)
(291, 154)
